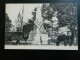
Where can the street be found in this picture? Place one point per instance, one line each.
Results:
(29, 45)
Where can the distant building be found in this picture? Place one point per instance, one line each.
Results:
(19, 21)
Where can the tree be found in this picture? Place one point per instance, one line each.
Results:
(7, 23)
(34, 14)
(66, 14)
(7, 27)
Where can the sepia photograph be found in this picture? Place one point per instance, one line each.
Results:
(48, 26)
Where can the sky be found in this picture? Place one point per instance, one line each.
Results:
(13, 10)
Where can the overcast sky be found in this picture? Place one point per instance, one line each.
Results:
(13, 9)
